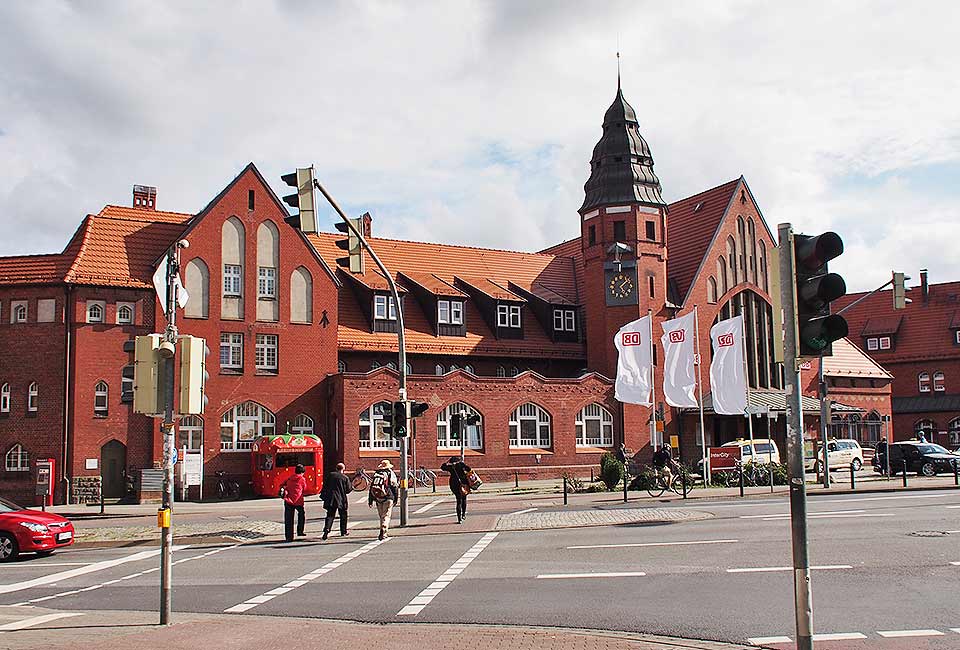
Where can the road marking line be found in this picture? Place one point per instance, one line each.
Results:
(449, 514)
(839, 636)
(302, 580)
(953, 507)
(424, 598)
(955, 563)
(763, 640)
(46, 564)
(361, 500)
(429, 506)
(704, 541)
(353, 523)
(621, 574)
(783, 518)
(73, 573)
(36, 620)
(896, 634)
(767, 569)
(809, 514)
(955, 629)
(522, 512)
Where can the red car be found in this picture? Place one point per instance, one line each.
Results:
(31, 531)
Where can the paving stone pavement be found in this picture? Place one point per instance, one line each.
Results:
(240, 530)
(605, 517)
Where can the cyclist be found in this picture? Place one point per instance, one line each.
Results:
(663, 463)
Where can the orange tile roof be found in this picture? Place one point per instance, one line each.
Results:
(491, 288)
(433, 284)
(848, 360)
(140, 214)
(881, 325)
(33, 269)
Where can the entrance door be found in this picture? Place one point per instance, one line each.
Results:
(113, 463)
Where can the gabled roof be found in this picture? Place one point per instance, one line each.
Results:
(848, 360)
(433, 284)
(543, 293)
(491, 289)
(373, 280)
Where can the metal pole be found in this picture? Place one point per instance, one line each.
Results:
(708, 478)
(824, 417)
(404, 442)
(803, 597)
(166, 532)
(624, 481)
(654, 442)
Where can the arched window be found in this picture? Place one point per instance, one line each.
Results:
(268, 263)
(853, 427)
(94, 312)
(447, 439)
(926, 427)
(303, 425)
(20, 314)
(392, 365)
(341, 366)
(438, 370)
(374, 364)
(372, 422)
(5, 398)
(453, 367)
(232, 254)
(100, 399)
(923, 381)
(301, 296)
(731, 262)
(190, 433)
(408, 368)
(124, 314)
(722, 278)
(953, 430)
(874, 428)
(469, 369)
(514, 371)
(530, 427)
(763, 267)
(752, 250)
(501, 371)
(711, 290)
(243, 424)
(198, 286)
(938, 382)
(742, 250)
(17, 459)
(33, 396)
(594, 427)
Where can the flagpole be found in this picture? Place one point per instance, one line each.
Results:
(653, 387)
(703, 434)
(746, 370)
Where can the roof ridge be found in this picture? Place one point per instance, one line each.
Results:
(146, 218)
(29, 256)
(424, 243)
(716, 187)
(85, 225)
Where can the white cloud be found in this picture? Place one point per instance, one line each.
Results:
(473, 122)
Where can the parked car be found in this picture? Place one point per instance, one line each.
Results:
(763, 450)
(31, 531)
(840, 453)
(923, 458)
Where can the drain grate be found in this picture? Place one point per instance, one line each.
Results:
(929, 533)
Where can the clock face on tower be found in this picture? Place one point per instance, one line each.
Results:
(621, 287)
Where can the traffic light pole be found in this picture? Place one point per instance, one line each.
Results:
(404, 441)
(166, 531)
(803, 599)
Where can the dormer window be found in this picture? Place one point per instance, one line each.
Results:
(450, 312)
(508, 316)
(384, 308)
(564, 320)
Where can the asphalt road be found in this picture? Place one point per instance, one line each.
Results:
(888, 569)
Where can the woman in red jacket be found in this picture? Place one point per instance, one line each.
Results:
(293, 489)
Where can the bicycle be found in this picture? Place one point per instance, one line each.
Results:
(227, 488)
(360, 480)
(422, 477)
(660, 483)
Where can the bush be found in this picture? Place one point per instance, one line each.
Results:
(611, 471)
(645, 479)
(573, 483)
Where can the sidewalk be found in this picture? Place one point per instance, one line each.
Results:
(107, 630)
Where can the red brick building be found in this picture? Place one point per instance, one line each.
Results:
(522, 339)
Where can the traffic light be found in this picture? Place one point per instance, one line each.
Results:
(815, 287)
(398, 423)
(418, 408)
(302, 200)
(456, 425)
(354, 260)
(193, 375)
(149, 375)
(899, 290)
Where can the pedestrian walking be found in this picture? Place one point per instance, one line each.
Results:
(292, 493)
(336, 487)
(458, 484)
(383, 491)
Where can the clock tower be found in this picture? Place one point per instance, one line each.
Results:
(623, 223)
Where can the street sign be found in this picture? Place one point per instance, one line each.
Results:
(724, 458)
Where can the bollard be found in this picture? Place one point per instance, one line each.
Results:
(102, 504)
(740, 468)
(434, 481)
(904, 473)
(683, 477)
(625, 482)
(853, 478)
(564, 490)
(516, 478)
(956, 471)
(591, 476)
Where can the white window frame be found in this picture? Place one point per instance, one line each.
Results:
(530, 412)
(515, 316)
(884, 342)
(570, 318)
(267, 352)
(470, 369)
(564, 320)
(443, 312)
(501, 371)
(380, 303)
(446, 440)
(5, 398)
(99, 305)
(267, 282)
(125, 305)
(956, 337)
(234, 344)
(126, 384)
(19, 311)
(17, 459)
(248, 420)
(939, 380)
(603, 419)
(232, 280)
(33, 397)
(456, 312)
(438, 370)
(503, 315)
(101, 398)
(302, 425)
(191, 428)
(558, 320)
(923, 382)
(371, 421)
(873, 344)
(341, 366)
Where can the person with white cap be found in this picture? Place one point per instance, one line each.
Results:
(385, 493)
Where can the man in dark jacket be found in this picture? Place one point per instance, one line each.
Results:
(336, 487)
(293, 489)
(458, 484)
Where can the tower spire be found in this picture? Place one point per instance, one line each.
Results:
(618, 62)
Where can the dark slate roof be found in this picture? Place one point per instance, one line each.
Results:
(926, 404)
(776, 401)
(621, 169)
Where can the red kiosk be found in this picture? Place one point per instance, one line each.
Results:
(275, 457)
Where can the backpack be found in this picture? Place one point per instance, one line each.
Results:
(380, 486)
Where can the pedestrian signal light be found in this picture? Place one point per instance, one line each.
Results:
(399, 421)
(354, 259)
(815, 288)
(302, 199)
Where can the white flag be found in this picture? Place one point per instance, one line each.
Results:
(679, 371)
(633, 383)
(728, 385)
(160, 285)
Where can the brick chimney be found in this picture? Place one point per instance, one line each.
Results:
(144, 197)
(367, 222)
(924, 286)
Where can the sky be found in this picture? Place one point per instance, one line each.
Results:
(473, 122)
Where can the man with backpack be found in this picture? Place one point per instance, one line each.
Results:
(458, 484)
(292, 493)
(336, 487)
(383, 491)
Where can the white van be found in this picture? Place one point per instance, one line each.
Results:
(840, 454)
(763, 450)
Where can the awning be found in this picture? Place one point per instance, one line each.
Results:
(926, 404)
(775, 401)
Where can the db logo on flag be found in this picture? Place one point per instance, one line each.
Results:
(631, 338)
(725, 340)
(676, 336)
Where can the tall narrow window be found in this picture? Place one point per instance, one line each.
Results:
(231, 351)
(341, 366)
(456, 312)
(251, 199)
(126, 384)
(711, 291)
(5, 398)
(592, 235)
(301, 296)
(620, 231)
(266, 352)
(438, 370)
(33, 396)
(100, 401)
(232, 280)
(198, 286)
(514, 316)
(652, 283)
(938, 382)
(923, 380)
(443, 311)
(268, 261)
(651, 231)
(501, 371)
(267, 282)
(232, 253)
(20, 313)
